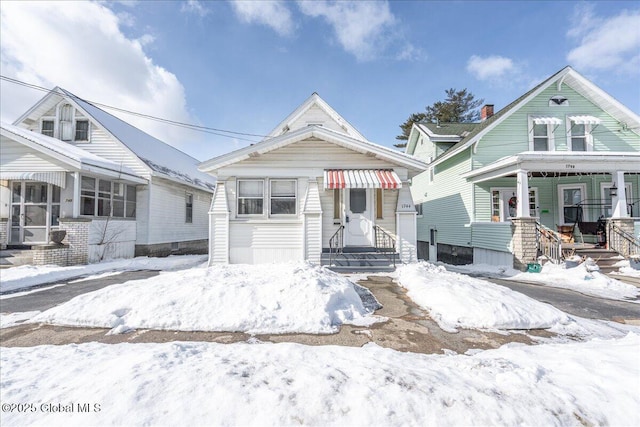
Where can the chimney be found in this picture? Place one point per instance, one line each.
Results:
(486, 112)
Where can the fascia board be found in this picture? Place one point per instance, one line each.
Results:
(53, 92)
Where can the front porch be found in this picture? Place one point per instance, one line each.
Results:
(553, 203)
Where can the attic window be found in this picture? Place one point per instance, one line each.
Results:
(82, 130)
(47, 127)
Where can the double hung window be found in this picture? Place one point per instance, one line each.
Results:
(253, 198)
(250, 197)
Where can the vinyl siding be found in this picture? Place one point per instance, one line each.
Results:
(18, 157)
(492, 235)
(265, 242)
(168, 213)
(448, 202)
(316, 115)
(511, 136)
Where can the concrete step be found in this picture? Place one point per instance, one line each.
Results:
(605, 258)
(15, 257)
(360, 261)
(362, 269)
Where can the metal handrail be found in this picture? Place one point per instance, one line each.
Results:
(549, 243)
(626, 244)
(336, 244)
(384, 243)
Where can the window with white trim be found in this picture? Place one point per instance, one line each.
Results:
(504, 203)
(605, 194)
(570, 196)
(101, 197)
(541, 132)
(579, 137)
(46, 127)
(283, 196)
(188, 208)
(250, 197)
(82, 130)
(540, 137)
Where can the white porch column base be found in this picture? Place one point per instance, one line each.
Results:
(219, 226)
(406, 227)
(619, 202)
(312, 213)
(522, 195)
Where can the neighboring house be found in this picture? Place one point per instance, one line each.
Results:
(545, 162)
(312, 184)
(117, 191)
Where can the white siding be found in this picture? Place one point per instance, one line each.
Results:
(316, 115)
(18, 157)
(111, 239)
(265, 242)
(168, 213)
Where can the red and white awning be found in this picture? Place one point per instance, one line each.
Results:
(361, 178)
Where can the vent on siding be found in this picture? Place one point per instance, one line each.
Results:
(175, 246)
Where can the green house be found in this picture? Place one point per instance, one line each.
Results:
(557, 168)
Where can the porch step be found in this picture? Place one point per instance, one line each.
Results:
(605, 258)
(365, 262)
(15, 257)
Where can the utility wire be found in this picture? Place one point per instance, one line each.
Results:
(199, 128)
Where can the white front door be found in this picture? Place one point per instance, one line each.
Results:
(359, 224)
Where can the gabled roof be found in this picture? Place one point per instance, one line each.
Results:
(162, 159)
(447, 129)
(314, 100)
(322, 133)
(568, 76)
(68, 154)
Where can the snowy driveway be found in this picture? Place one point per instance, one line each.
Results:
(575, 303)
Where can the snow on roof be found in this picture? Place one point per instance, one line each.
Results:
(67, 150)
(161, 157)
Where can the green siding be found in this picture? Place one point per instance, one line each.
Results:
(448, 202)
(494, 236)
(511, 136)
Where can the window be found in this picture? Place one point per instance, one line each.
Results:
(357, 200)
(379, 204)
(605, 194)
(504, 203)
(47, 128)
(578, 136)
(82, 130)
(189, 208)
(100, 197)
(570, 197)
(250, 197)
(283, 197)
(540, 137)
(419, 209)
(336, 204)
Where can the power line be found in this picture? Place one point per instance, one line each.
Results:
(199, 128)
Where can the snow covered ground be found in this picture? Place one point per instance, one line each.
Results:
(590, 383)
(27, 276)
(272, 298)
(454, 300)
(578, 279)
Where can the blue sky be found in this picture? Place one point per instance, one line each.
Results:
(244, 66)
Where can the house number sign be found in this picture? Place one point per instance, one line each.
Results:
(569, 166)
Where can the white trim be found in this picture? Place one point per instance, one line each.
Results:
(561, 187)
(607, 185)
(295, 198)
(504, 191)
(552, 124)
(237, 207)
(584, 120)
(588, 138)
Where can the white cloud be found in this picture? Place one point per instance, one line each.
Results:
(195, 6)
(273, 14)
(80, 47)
(361, 27)
(611, 43)
(491, 67)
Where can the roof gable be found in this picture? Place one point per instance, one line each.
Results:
(566, 76)
(160, 158)
(320, 133)
(315, 112)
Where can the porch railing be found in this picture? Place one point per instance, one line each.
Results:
(336, 244)
(549, 243)
(626, 244)
(384, 243)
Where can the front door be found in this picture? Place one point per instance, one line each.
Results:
(359, 225)
(35, 207)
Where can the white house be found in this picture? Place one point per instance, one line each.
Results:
(313, 185)
(116, 190)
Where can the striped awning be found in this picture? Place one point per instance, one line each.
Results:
(55, 178)
(361, 178)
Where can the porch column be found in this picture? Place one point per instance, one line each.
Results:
(619, 202)
(312, 213)
(75, 211)
(219, 226)
(406, 227)
(522, 195)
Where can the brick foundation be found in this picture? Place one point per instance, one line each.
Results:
(4, 237)
(51, 255)
(77, 239)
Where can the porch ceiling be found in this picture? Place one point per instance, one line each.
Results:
(557, 163)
